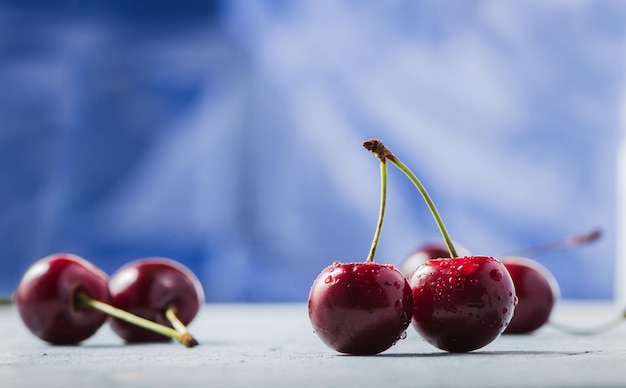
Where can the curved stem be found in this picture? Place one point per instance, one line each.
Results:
(383, 153)
(589, 330)
(85, 301)
(381, 213)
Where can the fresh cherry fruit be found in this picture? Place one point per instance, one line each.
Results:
(428, 251)
(463, 303)
(360, 308)
(152, 288)
(537, 292)
(47, 298)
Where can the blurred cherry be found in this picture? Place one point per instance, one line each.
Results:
(64, 299)
(537, 289)
(47, 298)
(537, 292)
(158, 289)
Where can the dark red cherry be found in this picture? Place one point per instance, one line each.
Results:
(428, 251)
(147, 288)
(537, 291)
(47, 298)
(360, 308)
(462, 304)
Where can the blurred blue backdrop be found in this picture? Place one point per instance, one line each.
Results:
(227, 135)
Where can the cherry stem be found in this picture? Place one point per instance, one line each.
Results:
(383, 153)
(381, 213)
(181, 329)
(566, 243)
(589, 330)
(86, 301)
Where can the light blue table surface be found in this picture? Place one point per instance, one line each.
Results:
(273, 345)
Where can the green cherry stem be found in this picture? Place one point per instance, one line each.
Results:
(184, 338)
(381, 213)
(383, 153)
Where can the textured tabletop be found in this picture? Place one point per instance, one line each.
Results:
(260, 345)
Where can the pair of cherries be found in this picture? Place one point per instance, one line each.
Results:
(536, 288)
(64, 299)
(457, 304)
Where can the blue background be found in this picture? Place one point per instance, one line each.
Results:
(227, 135)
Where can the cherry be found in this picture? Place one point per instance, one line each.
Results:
(536, 288)
(64, 299)
(47, 298)
(361, 308)
(537, 292)
(158, 289)
(427, 251)
(460, 303)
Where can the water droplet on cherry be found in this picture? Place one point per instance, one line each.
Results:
(496, 274)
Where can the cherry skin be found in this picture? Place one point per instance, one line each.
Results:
(147, 288)
(462, 304)
(537, 291)
(360, 308)
(47, 298)
(428, 251)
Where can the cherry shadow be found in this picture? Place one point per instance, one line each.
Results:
(520, 353)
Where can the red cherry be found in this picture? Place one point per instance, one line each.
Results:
(150, 288)
(428, 251)
(48, 303)
(462, 304)
(537, 291)
(360, 308)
